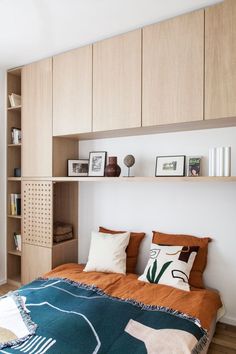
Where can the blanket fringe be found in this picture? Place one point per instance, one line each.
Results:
(199, 346)
(31, 326)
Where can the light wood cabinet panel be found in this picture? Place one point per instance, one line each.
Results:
(36, 261)
(37, 119)
(173, 66)
(117, 82)
(72, 92)
(220, 78)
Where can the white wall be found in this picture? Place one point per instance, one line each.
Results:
(2, 178)
(202, 209)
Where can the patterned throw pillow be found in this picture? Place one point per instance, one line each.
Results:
(170, 265)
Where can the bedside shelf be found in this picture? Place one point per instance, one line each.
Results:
(14, 145)
(14, 216)
(14, 179)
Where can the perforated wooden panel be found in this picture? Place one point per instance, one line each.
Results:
(37, 213)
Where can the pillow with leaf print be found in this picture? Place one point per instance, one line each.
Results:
(170, 265)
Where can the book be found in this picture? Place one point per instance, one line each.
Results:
(17, 240)
(15, 204)
(15, 100)
(194, 166)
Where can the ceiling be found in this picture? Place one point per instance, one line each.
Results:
(35, 29)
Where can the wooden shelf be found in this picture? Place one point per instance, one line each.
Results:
(15, 253)
(133, 179)
(14, 179)
(14, 145)
(17, 108)
(14, 216)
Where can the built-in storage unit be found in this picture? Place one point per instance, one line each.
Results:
(220, 27)
(173, 70)
(37, 119)
(45, 203)
(14, 147)
(117, 82)
(72, 92)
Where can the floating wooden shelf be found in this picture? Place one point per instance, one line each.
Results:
(14, 145)
(14, 216)
(14, 179)
(17, 108)
(15, 253)
(133, 179)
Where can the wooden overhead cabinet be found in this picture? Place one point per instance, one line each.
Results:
(117, 82)
(220, 78)
(37, 119)
(72, 92)
(173, 66)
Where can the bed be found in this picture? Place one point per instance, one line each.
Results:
(72, 311)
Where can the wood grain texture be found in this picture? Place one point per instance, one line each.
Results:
(117, 82)
(36, 261)
(72, 91)
(65, 252)
(220, 78)
(37, 119)
(173, 54)
(63, 150)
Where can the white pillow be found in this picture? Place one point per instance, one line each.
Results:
(107, 253)
(170, 265)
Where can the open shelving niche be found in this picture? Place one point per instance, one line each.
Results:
(13, 183)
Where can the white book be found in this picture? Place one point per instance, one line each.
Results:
(18, 238)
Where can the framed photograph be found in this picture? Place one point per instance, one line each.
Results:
(194, 166)
(173, 166)
(78, 168)
(97, 163)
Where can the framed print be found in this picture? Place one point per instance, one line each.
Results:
(173, 166)
(97, 163)
(194, 166)
(78, 168)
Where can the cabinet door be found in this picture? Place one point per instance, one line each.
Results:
(117, 82)
(37, 119)
(221, 60)
(173, 64)
(72, 92)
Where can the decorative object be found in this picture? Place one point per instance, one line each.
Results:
(112, 169)
(107, 253)
(129, 161)
(15, 100)
(17, 172)
(194, 166)
(97, 163)
(78, 168)
(170, 166)
(16, 135)
(220, 161)
(170, 265)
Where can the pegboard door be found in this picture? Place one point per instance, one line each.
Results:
(37, 225)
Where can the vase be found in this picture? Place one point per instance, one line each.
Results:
(112, 169)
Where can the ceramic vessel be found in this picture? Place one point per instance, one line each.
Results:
(112, 169)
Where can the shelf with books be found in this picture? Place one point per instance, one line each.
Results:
(13, 175)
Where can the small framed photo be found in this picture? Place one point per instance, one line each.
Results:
(173, 166)
(97, 163)
(194, 166)
(78, 168)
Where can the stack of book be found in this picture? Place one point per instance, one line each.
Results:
(15, 100)
(15, 204)
(17, 239)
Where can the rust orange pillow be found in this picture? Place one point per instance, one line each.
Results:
(196, 274)
(132, 249)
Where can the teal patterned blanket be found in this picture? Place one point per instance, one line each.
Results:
(74, 318)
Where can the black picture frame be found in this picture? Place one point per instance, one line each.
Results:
(77, 168)
(97, 163)
(175, 166)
